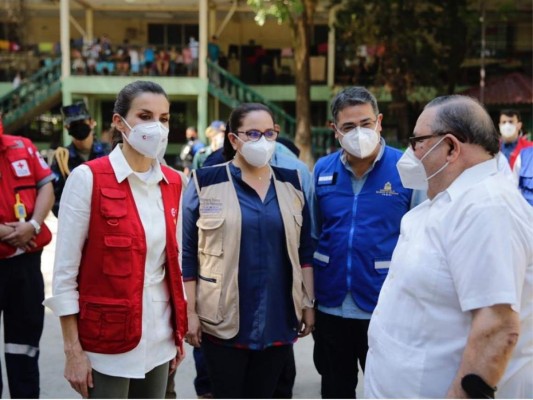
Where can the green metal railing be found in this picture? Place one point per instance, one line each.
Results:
(231, 91)
(33, 92)
(21, 102)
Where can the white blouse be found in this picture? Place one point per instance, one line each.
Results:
(157, 344)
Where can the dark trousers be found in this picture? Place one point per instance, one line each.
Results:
(242, 373)
(287, 378)
(21, 298)
(152, 386)
(339, 344)
(202, 385)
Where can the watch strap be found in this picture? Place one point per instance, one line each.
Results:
(476, 388)
(35, 225)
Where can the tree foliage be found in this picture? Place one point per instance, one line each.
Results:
(298, 14)
(282, 10)
(414, 43)
(422, 42)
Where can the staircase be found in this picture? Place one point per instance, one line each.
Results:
(33, 97)
(42, 91)
(231, 91)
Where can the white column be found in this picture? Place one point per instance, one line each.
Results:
(64, 13)
(202, 67)
(332, 18)
(203, 26)
(89, 25)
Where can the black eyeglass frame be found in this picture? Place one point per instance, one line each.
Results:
(413, 140)
(248, 134)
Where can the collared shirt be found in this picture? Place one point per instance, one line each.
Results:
(470, 247)
(266, 308)
(157, 344)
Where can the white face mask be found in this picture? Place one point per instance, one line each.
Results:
(507, 130)
(359, 142)
(162, 151)
(148, 138)
(412, 172)
(218, 142)
(257, 153)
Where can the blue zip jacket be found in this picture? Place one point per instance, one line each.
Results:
(359, 232)
(525, 179)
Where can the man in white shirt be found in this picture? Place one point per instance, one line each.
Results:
(454, 316)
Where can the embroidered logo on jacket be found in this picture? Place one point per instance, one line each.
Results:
(387, 190)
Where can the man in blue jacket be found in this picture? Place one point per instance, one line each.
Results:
(358, 204)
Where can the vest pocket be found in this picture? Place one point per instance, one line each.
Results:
(208, 291)
(112, 203)
(104, 319)
(117, 255)
(210, 236)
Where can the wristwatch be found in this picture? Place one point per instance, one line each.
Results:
(36, 226)
(476, 387)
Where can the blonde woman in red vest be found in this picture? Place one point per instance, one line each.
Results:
(117, 284)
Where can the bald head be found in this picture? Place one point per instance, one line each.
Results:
(466, 119)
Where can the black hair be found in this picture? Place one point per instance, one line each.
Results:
(352, 96)
(511, 112)
(235, 122)
(466, 119)
(126, 96)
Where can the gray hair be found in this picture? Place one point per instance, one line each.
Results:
(352, 96)
(466, 119)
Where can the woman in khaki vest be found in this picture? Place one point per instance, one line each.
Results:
(247, 256)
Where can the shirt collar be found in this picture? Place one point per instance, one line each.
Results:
(123, 170)
(472, 176)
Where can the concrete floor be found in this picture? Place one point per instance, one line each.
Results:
(51, 362)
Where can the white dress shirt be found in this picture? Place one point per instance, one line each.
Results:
(157, 344)
(468, 248)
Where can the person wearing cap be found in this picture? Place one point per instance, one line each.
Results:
(26, 198)
(84, 147)
(215, 134)
(513, 139)
(193, 145)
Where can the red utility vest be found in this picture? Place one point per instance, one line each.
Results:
(111, 275)
(522, 143)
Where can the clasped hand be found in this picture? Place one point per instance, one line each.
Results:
(21, 236)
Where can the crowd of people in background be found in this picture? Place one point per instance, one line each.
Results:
(102, 57)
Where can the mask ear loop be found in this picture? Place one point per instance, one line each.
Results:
(441, 168)
(126, 122)
(433, 147)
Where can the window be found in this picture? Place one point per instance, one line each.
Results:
(167, 35)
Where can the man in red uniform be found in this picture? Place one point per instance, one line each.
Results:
(513, 140)
(26, 198)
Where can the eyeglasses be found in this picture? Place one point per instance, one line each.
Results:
(254, 134)
(413, 140)
(349, 127)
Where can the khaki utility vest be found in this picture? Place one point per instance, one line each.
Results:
(219, 236)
